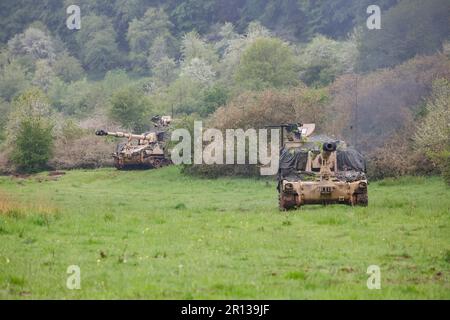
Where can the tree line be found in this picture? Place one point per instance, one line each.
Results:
(211, 60)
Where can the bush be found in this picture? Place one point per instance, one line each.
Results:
(259, 109)
(85, 152)
(256, 109)
(212, 99)
(78, 148)
(433, 134)
(396, 158)
(34, 145)
(131, 108)
(445, 167)
(5, 166)
(29, 131)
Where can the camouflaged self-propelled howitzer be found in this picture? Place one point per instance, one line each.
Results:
(147, 150)
(319, 170)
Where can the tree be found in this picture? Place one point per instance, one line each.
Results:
(143, 32)
(193, 46)
(125, 12)
(5, 108)
(323, 59)
(411, 28)
(13, 80)
(433, 134)
(57, 92)
(43, 75)
(235, 48)
(96, 39)
(131, 108)
(30, 131)
(212, 99)
(114, 80)
(193, 14)
(369, 109)
(68, 68)
(165, 70)
(335, 18)
(33, 42)
(267, 63)
(199, 70)
(185, 95)
(162, 47)
(80, 97)
(226, 35)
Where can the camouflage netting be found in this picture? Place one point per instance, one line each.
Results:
(351, 163)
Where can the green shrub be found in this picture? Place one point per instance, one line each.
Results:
(33, 145)
(131, 108)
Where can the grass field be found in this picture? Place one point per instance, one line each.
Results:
(161, 235)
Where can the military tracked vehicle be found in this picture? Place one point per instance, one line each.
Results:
(146, 150)
(318, 170)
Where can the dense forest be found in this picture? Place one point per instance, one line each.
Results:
(236, 63)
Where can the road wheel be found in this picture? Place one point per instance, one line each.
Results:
(157, 163)
(281, 204)
(362, 199)
(286, 202)
(118, 164)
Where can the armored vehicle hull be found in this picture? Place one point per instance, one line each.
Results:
(295, 194)
(140, 157)
(142, 151)
(319, 170)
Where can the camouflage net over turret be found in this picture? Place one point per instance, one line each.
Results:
(351, 163)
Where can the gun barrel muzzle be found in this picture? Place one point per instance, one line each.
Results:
(101, 133)
(329, 146)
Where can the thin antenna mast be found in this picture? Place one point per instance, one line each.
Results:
(355, 124)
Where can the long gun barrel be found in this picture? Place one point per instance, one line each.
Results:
(150, 137)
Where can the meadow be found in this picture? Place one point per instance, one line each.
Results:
(159, 234)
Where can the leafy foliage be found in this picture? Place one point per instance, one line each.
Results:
(131, 108)
(30, 131)
(33, 42)
(13, 80)
(33, 145)
(195, 57)
(433, 134)
(143, 32)
(369, 109)
(412, 28)
(97, 40)
(267, 63)
(68, 68)
(323, 59)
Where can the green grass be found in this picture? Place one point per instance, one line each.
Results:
(161, 235)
